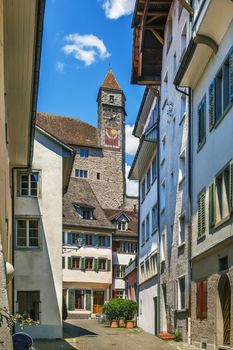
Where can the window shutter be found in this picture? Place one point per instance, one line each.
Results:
(212, 204)
(83, 263)
(109, 264)
(69, 238)
(18, 184)
(199, 217)
(83, 237)
(203, 218)
(71, 299)
(212, 108)
(186, 292)
(96, 264)
(70, 263)
(63, 237)
(96, 241)
(231, 73)
(107, 241)
(39, 185)
(231, 185)
(63, 262)
(198, 300)
(204, 299)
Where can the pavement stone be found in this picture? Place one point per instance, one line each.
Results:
(90, 335)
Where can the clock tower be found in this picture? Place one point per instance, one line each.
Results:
(111, 128)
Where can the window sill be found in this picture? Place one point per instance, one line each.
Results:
(153, 181)
(201, 145)
(147, 239)
(27, 196)
(223, 115)
(154, 232)
(148, 190)
(201, 237)
(181, 180)
(162, 161)
(164, 103)
(143, 200)
(162, 211)
(142, 245)
(181, 310)
(181, 245)
(222, 221)
(28, 248)
(182, 118)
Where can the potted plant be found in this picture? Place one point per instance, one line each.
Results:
(130, 310)
(111, 310)
(121, 304)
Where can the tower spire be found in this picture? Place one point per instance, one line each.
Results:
(110, 81)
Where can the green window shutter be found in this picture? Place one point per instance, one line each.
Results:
(71, 299)
(88, 300)
(212, 100)
(231, 73)
(201, 214)
(83, 263)
(83, 236)
(96, 264)
(109, 264)
(212, 204)
(231, 185)
(70, 263)
(63, 262)
(107, 241)
(69, 237)
(96, 241)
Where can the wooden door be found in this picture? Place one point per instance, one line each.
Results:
(226, 313)
(98, 303)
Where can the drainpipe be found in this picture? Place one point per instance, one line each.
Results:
(189, 94)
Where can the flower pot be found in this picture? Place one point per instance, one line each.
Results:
(122, 322)
(114, 324)
(129, 324)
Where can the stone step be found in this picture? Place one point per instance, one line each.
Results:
(79, 315)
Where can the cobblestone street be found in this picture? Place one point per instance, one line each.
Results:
(89, 334)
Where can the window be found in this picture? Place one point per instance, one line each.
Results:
(181, 229)
(202, 122)
(29, 304)
(89, 264)
(169, 33)
(201, 300)
(89, 239)
(147, 266)
(103, 264)
(201, 214)
(148, 180)
(102, 241)
(182, 166)
(223, 263)
(75, 263)
(122, 225)
(119, 271)
(163, 247)
(142, 269)
(74, 238)
(154, 218)
(120, 294)
(183, 41)
(181, 293)
(29, 184)
(84, 153)
(163, 150)
(128, 247)
(27, 233)
(143, 233)
(98, 176)
(147, 226)
(222, 196)
(111, 98)
(153, 262)
(81, 173)
(172, 234)
(182, 107)
(86, 214)
(163, 196)
(143, 190)
(154, 169)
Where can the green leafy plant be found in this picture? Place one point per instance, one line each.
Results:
(129, 309)
(11, 320)
(64, 309)
(111, 309)
(178, 335)
(120, 308)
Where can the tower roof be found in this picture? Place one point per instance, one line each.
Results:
(110, 81)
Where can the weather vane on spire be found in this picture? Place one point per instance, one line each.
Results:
(109, 65)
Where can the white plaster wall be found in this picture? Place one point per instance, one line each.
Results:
(147, 293)
(41, 269)
(216, 152)
(121, 259)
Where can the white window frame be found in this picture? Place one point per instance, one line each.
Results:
(179, 292)
(77, 171)
(180, 217)
(182, 163)
(27, 246)
(29, 184)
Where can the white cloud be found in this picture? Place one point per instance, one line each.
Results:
(131, 185)
(85, 48)
(60, 66)
(117, 8)
(131, 142)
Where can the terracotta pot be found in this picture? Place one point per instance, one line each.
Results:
(114, 324)
(121, 322)
(129, 324)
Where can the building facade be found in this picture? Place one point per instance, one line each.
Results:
(96, 203)
(38, 235)
(212, 98)
(20, 36)
(144, 169)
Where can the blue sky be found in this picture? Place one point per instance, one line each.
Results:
(81, 38)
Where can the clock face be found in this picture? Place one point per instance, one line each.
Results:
(111, 117)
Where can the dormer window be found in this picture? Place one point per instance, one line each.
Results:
(85, 211)
(111, 99)
(122, 225)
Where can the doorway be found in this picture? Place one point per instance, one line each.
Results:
(98, 301)
(224, 311)
(79, 299)
(156, 316)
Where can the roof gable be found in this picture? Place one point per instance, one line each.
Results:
(110, 81)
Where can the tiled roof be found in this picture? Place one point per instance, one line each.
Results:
(133, 224)
(69, 130)
(80, 191)
(110, 81)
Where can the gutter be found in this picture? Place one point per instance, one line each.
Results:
(35, 84)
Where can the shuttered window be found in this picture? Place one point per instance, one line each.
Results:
(63, 262)
(201, 214)
(212, 93)
(212, 204)
(202, 122)
(201, 299)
